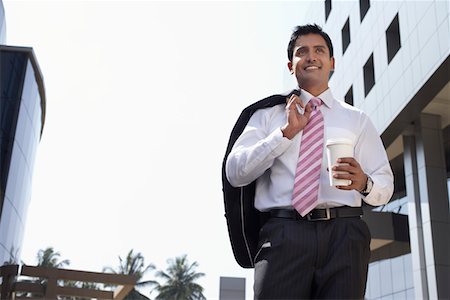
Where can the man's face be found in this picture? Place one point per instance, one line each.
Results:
(311, 62)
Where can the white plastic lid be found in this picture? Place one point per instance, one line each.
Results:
(339, 141)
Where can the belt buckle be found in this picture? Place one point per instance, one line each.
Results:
(327, 217)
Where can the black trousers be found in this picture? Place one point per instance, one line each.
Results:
(299, 259)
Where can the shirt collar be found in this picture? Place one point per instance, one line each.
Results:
(326, 97)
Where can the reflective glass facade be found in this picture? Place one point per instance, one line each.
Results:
(21, 120)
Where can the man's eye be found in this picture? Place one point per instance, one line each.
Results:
(319, 50)
(301, 52)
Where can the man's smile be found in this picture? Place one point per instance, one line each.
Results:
(312, 68)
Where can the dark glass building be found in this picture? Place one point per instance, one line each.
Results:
(22, 115)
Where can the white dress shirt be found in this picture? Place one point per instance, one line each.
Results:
(261, 153)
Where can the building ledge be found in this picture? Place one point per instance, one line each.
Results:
(390, 234)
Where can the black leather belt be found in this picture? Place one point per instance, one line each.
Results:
(318, 214)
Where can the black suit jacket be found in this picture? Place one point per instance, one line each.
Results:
(243, 220)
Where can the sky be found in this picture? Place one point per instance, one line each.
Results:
(141, 99)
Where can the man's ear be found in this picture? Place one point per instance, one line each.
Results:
(332, 63)
(289, 64)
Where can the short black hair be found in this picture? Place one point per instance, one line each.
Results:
(307, 29)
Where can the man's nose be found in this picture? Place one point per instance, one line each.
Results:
(311, 56)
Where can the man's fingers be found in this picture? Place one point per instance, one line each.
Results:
(294, 103)
(348, 168)
(307, 110)
(290, 102)
(289, 108)
(296, 99)
(343, 176)
(347, 164)
(347, 160)
(344, 168)
(345, 187)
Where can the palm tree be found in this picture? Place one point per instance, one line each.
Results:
(49, 258)
(180, 281)
(134, 264)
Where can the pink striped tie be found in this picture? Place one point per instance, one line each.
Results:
(307, 174)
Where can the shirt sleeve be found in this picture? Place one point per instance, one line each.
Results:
(255, 150)
(373, 159)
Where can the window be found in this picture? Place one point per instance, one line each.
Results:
(369, 75)
(345, 35)
(364, 6)
(349, 96)
(393, 38)
(327, 8)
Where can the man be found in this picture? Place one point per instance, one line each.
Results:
(314, 244)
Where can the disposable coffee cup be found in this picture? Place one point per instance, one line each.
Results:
(338, 148)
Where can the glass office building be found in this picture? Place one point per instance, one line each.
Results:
(392, 61)
(22, 114)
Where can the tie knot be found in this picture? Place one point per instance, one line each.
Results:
(316, 102)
